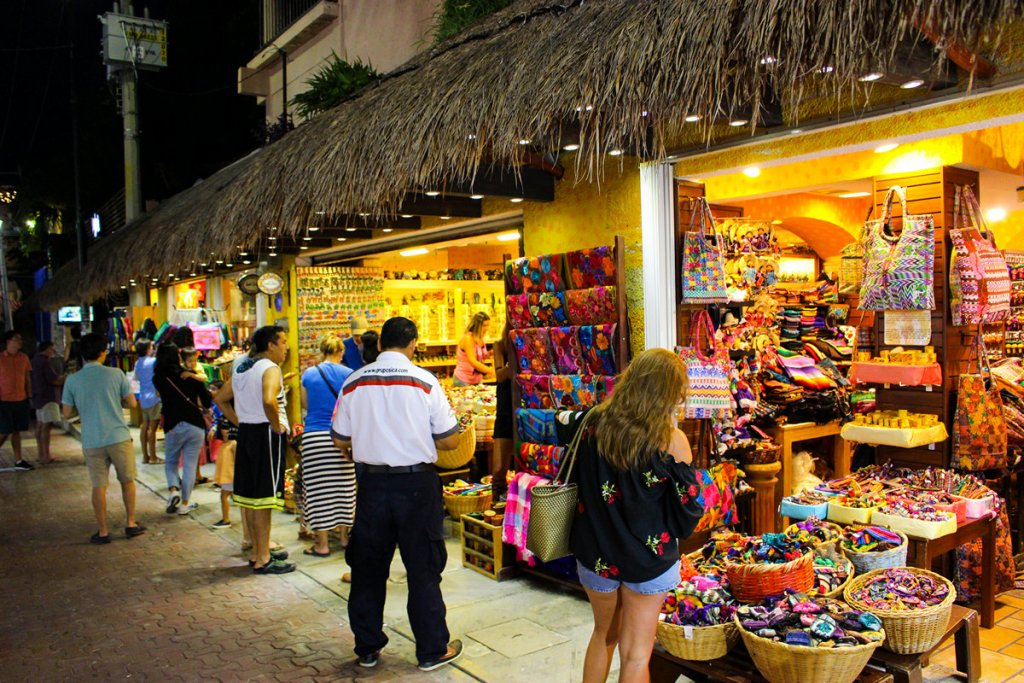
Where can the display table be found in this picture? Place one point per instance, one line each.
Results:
(963, 626)
(892, 373)
(787, 436)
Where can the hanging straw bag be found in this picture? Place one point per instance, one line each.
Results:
(703, 264)
(979, 428)
(899, 271)
(979, 282)
(708, 394)
(553, 506)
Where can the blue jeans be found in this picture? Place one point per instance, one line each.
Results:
(659, 584)
(182, 444)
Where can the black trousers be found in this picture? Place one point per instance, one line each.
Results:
(404, 510)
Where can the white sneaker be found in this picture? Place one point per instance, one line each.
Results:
(185, 509)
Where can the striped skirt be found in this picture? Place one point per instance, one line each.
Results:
(328, 484)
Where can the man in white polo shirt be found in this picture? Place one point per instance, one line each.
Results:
(394, 416)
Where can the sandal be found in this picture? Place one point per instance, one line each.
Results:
(315, 553)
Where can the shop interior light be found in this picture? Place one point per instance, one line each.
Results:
(645, 114)
(245, 263)
(384, 230)
(219, 261)
(571, 147)
(476, 196)
(193, 274)
(431, 193)
(524, 141)
(996, 214)
(796, 131)
(307, 238)
(445, 218)
(873, 76)
(272, 238)
(615, 152)
(406, 215)
(418, 251)
(124, 286)
(243, 253)
(342, 239)
(350, 229)
(321, 213)
(692, 118)
(471, 136)
(364, 214)
(853, 195)
(229, 265)
(304, 247)
(508, 236)
(736, 123)
(516, 200)
(752, 171)
(911, 84)
(313, 228)
(887, 147)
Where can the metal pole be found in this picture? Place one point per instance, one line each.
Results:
(132, 170)
(8, 319)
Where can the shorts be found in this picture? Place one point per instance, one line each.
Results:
(259, 468)
(14, 416)
(120, 455)
(503, 421)
(659, 584)
(152, 413)
(49, 413)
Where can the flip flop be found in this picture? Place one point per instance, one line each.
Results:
(314, 553)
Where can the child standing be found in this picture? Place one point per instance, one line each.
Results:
(224, 475)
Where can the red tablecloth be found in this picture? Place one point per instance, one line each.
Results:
(891, 373)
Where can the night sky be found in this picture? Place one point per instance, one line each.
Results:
(193, 122)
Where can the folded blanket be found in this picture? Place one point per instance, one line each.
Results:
(517, 514)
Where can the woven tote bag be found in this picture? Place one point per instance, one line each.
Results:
(703, 264)
(979, 428)
(708, 394)
(553, 507)
(979, 282)
(899, 271)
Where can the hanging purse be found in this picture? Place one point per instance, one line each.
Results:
(908, 328)
(899, 271)
(979, 282)
(553, 506)
(708, 394)
(979, 428)
(703, 264)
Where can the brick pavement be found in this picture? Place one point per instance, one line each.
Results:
(177, 604)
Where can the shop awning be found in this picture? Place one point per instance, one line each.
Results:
(611, 76)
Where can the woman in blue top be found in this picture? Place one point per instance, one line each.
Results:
(328, 478)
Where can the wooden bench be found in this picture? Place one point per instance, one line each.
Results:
(963, 626)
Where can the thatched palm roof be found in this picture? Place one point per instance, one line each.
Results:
(625, 71)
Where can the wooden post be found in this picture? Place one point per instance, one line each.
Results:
(762, 478)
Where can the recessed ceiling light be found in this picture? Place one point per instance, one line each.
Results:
(471, 136)
(853, 195)
(243, 253)
(246, 262)
(307, 238)
(342, 239)
(873, 76)
(692, 118)
(996, 214)
(431, 193)
(752, 171)
(887, 147)
(273, 228)
(589, 108)
(364, 214)
(303, 247)
(170, 274)
(645, 113)
(476, 196)
(516, 200)
(229, 265)
(193, 274)
(736, 123)
(124, 286)
(384, 230)
(272, 238)
(571, 147)
(418, 251)
(273, 253)
(445, 218)
(615, 152)
(508, 236)
(913, 83)
(524, 141)
(313, 228)
(350, 229)
(406, 215)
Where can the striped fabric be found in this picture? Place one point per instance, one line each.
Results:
(328, 484)
(899, 272)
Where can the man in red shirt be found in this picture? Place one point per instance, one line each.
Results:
(15, 388)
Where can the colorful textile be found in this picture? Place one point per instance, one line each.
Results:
(539, 459)
(548, 309)
(979, 283)
(898, 271)
(535, 274)
(717, 497)
(708, 394)
(519, 311)
(533, 349)
(591, 267)
(517, 514)
(969, 562)
(573, 391)
(569, 354)
(979, 427)
(804, 373)
(536, 425)
(592, 306)
(703, 270)
(535, 391)
(597, 342)
(605, 386)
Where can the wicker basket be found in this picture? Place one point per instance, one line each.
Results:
(908, 632)
(823, 547)
(781, 663)
(755, 582)
(837, 594)
(704, 644)
(761, 456)
(866, 562)
(463, 505)
(461, 454)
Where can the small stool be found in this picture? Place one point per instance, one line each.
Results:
(963, 626)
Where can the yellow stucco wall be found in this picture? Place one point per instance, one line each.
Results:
(585, 214)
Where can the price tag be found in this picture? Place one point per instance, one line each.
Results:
(929, 387)
(688, 632)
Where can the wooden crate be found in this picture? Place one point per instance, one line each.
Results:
(482, 546)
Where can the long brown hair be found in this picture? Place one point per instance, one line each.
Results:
(640, 415)
(476, 324)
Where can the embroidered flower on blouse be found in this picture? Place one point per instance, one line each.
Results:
(603, 570)
(651, 479)
(686, 494)
(656, 544)
(609, 492)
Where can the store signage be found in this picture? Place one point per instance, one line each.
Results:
(134, 42)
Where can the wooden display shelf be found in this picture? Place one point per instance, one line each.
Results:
(489, 549)
(497, 285)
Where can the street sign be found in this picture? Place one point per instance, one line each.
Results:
(134, 42)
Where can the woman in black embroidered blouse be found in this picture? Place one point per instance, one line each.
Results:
(637, 495)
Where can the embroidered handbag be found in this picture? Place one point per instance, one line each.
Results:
(591, 267)
(979, 427)
(708, 394)
(899, 271)
(908, 328)
(703, 265)
(979, 282)
(851, 268)
(539, 459)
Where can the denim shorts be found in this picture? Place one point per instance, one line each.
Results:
(659, 584)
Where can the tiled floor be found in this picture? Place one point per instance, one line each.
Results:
(1002, 647)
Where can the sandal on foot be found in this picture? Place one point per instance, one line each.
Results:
(316, 553)
(99, 540)
(133, 531)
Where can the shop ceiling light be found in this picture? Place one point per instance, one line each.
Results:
(244, 263)
(350, 229)
(911, 84)
(342, 239)
(431, 193)
(321, 213)
(736, 123)
(615, 152)
(193, 274)
(868, 78)
(516, 200)
(644, 114)
(471, 136)
(692, 118)
(124, 286)
(364, 214)
(313, 228)
(571, 147)
(303, 247)
(229, 265)
(445, 218)
(752, 171)
(508, 236)
(476, 196)
(996, 214)
(768, 60)
(524, 141)
(418, 251)
(307, 238)
(406, 215)
(384, 230)
(853, 195)
(887, 147)
(272, 238)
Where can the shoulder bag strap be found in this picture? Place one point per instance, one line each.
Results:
(974, 208)
(570, 453)
(195, 404)
(326, 381)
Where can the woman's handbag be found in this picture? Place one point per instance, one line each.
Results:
(703, 264)
(899, 270)
(708, 394)
(553, 506)
(979, 428)
(979, 282)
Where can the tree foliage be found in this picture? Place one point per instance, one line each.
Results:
(332, 85)
(456, 15)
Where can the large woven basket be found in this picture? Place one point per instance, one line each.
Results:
(463, 505)
(461, 454)
(704, 644)
(823, 547)
(886, 559)
(837, 594)
(908, 632)
(781, 663)
(755, 582)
